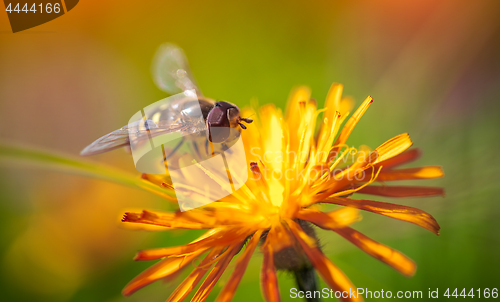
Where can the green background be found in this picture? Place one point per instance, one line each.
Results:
(432, 68)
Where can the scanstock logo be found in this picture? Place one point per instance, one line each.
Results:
(25, 14)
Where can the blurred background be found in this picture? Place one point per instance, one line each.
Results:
(432, 67)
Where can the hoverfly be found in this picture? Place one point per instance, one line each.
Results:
(181, 113)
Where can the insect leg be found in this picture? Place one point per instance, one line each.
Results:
(211, 150)
(225, 148)
(174, 150)
(197, 150)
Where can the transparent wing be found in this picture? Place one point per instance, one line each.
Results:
(171, 71)
(139, 131)
(162, 117)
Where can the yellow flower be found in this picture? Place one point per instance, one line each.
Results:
(293, 170)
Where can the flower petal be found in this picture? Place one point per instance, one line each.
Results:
(215, 214)
(279, 238)
(220, 237)
(403, 158)
(349, 126)
(332, 220)
(402, 191)
(382, 252)
(427, 172)
(227, 292)
(268, 278)
(331, 274)
(298, 95)
(180, 220)
(356, 172)
(392, 257)
(332, 106)
(162, 269)
(214, 275)
(332, 103)
(411, 173)
(273, 142)
(395, 211)
(393, 147)
(194, 277)
(346, 105)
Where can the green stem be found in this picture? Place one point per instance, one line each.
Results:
(54, 161)
(307, 281)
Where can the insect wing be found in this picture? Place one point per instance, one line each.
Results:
(171, 71)
(171, 126)
(116, 139)
(139, 131)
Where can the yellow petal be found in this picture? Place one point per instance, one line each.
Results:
(349, 126)
(395, 211)
(393, 147)
(332, 106)
(188, 220)
(214, 275)
(332, 220)
(402, 191)
(162, 269)
(382, 252)
(307, 127)
(332, 103)
(298, 95)
(412, 173)
(268, 278)
(227, 292)
(215, 214)
(427, 172)
(346, 105)
(401, 159)
(273, 143)
(279, 238)
(194, 277)
(330, 273)
(219, 238)
(356, 172)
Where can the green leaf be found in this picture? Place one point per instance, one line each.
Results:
(81, 167)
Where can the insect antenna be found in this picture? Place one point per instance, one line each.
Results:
(246, 120)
